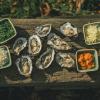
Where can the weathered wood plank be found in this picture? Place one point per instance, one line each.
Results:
(50, 76)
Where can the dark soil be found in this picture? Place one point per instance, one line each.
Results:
(28, 93)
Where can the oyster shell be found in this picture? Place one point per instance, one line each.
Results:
(45, 59)
(43, 30)
(65, 60)
(19, 45)
(35, 45)
(68, 30)
(24, 65)
(58, 43)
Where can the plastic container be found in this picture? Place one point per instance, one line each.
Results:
(97, 41)
(92, 51)
(6, 27)
(6, 61)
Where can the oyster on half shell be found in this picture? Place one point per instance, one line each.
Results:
(24, 65)
(43, 30)
(19, 45)
(45, 59)
(35, 45)
(65, 60)
(68, 30)
(58, 43)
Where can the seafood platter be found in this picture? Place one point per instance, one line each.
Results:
(45, 47)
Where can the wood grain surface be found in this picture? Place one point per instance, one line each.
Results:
(54, 76)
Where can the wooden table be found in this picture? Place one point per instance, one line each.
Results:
(53, 77)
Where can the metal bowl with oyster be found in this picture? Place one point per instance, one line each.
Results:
(58, 43)
(35, 45)
(45, 59)
(65, 60)
(24, 65)
(19, 45)
(5, 58)
(68, 30)
(43, 30)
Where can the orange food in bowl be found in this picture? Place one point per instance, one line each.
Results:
(86, 60)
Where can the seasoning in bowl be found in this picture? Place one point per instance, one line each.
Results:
(7, 30)
(5, 58)
(87, 60)
(92, 33)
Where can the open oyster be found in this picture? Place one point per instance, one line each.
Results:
(45, 59)
(24, 65)
(68, 30)
(58, 43)
(19, 45)
(43, 30)
(35, 45)
(65, 60)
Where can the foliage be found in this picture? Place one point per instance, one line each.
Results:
(31, 8)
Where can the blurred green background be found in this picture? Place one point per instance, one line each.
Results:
(32, 8)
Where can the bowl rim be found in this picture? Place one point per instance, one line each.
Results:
(15, 32)
(10, 61)
(96, 57)
(85, 33)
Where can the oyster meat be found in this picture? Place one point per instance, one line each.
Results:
(43, 30)
(45, 59)
(35, 45)
(65, 60)
(68, 30)
(58, 43)
(19, 45)
(24, 65)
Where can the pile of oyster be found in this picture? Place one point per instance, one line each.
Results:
(43, 47)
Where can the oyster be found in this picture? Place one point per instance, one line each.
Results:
(68, 30)
(43, 30)
(24, 65)
(65, 60)
(45, 59)
(19, 45)
(35, 45)
(58, 43)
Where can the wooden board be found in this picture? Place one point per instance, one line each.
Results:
(54, 76)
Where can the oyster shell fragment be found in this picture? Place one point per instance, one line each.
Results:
(65, 60)
(19, 45)
(45, 59)
(58, 43)
(24, 65)
(43, 30)
(35, 45)
(68, 30)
